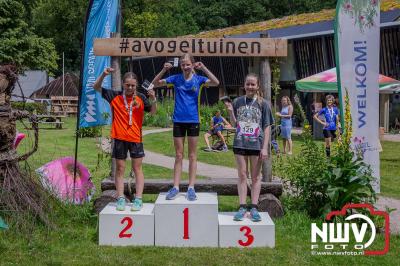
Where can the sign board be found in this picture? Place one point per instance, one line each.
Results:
(244, 47)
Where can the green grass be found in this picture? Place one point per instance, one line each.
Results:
(390, 158)
(74, 241)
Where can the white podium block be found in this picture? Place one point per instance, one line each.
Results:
(246, 233)
(126, 228)
(183, 223)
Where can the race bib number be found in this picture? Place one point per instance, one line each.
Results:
(249, 129)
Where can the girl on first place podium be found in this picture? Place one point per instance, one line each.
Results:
(186, 119)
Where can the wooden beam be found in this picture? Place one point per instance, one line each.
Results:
(220, 186)
(249, 47)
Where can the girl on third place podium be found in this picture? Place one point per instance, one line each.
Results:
(128, 107)
(253, 119)
(186, 119)
(332, 118)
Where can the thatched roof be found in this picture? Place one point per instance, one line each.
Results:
(55, 87)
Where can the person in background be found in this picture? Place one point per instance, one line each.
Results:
(286, 124)
(330, 122)
(217, 125)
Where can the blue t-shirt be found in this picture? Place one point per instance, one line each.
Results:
(330, 115)
(218, 120)
(187, 97)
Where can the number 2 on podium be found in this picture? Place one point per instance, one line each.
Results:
(129, 224)
(186, 223)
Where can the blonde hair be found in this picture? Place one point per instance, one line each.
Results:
(329, 97)
(187, 56)
(259, 92)
(288, 100)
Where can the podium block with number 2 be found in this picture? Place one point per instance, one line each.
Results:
(126, 228)
(183, 223)
(246, 233)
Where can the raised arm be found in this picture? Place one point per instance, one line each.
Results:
(232, 117)
(212, 80)
(99, 80)
(157, 81)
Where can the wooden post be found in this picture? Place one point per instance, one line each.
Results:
(115, 85)
(265, 84)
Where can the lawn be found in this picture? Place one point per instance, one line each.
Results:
(390, 158)
(74, 241)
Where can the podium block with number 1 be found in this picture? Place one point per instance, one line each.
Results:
(183, 223)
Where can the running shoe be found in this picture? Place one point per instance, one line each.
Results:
(191, 195)
(240, 214)
(137, 204)
(121, 204)
(255, 216)
(172, 193)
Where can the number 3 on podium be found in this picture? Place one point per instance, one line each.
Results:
(250, 237)
(129, 224)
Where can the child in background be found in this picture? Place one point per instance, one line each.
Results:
(217, 125)
(186, 119)
(332, 118)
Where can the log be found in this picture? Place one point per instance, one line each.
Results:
(269, 203)
(106, 197)
(220, 186)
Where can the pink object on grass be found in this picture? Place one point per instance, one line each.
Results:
(58, 177)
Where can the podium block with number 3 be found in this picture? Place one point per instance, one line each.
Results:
(183, 223)
(246, 233)
(123, 228)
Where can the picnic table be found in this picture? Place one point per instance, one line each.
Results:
(51, 119)
(227, 132)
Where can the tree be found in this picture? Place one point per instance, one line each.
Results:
(63, 21)
(19, 45)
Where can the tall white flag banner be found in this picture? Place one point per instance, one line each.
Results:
(357, 40)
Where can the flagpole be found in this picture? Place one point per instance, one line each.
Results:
(80, 95)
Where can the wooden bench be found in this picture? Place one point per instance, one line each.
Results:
(58, 124)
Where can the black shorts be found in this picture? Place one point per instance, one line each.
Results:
(121, 148)
(329, 133)
(186, 129)
(245, 152)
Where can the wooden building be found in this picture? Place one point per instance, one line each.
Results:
(310, 51)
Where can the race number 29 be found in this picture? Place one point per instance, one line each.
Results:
(129, 224)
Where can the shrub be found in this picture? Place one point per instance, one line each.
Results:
(89, 132)
(320, 184)
(38, 108)
(163, 116)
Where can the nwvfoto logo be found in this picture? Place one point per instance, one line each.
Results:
(337, 235)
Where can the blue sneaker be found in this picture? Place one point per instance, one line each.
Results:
(121, 204)
(240, 214)
(255, 216)
(172, 193)
(137, 204)
(191, 195)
